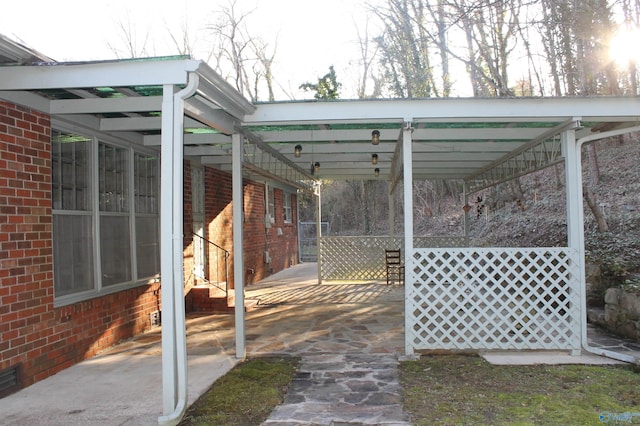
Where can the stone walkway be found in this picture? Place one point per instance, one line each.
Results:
(343, 389)
(348, 336)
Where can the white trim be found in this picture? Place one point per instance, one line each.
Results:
(98, 74)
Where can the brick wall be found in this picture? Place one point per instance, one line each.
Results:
(41, 339)
(257, 238)
(35, 336)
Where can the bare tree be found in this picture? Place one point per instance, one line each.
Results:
(134, 45)
(491, 32)
(368, 51)
(242, 58)
(405, 48)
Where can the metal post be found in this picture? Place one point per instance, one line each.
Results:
(575, 215)
(319, 228)
(174, 333)
(407, 159)
(169, 374)
(238, 246)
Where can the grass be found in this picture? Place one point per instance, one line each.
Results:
(446, 390)
(467, 390)
(246, 395)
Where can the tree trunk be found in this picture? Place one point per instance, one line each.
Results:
(595, 209)
(594, 168)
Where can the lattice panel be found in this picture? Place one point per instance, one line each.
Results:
(355, 258)
(521, 298)
(439, 242)
(362, 258)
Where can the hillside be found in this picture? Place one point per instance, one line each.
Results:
(540, 220)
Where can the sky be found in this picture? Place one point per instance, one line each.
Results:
(311, 34)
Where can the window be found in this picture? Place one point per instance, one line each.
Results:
(100, 243)
(72, 219)
(147, 220)
(271, 209)
(287, 208)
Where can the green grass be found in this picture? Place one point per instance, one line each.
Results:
(466, 390)
(246, 395)
(445, 390)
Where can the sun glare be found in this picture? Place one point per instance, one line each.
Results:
(624, 46)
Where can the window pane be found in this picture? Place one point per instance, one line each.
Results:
(113, 172)
(287, 207)
(115, 249)
(146, 184)
(73, 254)
(70, 171)
(147, 246)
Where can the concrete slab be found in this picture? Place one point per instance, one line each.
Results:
(120, 387)
(545, 357)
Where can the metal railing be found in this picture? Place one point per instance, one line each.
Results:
(220, 254)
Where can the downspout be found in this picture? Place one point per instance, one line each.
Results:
(177, 326)
(580, 211)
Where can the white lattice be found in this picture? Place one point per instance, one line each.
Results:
(355, 258)
(362, 258)
(502, 298)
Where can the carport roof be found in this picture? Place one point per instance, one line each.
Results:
(482, 141)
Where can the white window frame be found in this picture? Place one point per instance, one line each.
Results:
(98, 289)
(286, 207)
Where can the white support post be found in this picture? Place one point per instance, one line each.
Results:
(238, 246)
(575, 215)
(167, 165)
(174, 333)
(319, 227)
(407, 157)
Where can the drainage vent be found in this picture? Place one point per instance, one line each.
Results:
(9, 380)
(156, 318)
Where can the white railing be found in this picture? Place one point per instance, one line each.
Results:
(493, 298)
(362, 258)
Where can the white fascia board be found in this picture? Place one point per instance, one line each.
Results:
(108, 105)
(27, 99)
(192, 139)
(480, 109)
(139, 123)
(97, 74)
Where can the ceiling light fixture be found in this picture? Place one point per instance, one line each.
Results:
(375, 137)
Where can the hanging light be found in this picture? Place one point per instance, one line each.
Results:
(375, 137)
(316, 167)
(374, 159)
(297, 151)
(376, 172)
